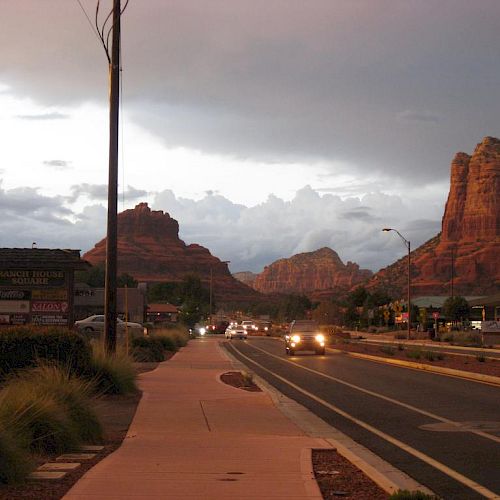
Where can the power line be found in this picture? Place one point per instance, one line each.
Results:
(88, 19)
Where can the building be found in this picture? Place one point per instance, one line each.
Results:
(37, 285)
(162, 312)
(130, 302)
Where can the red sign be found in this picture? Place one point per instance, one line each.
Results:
(435, 315)
(46, 306)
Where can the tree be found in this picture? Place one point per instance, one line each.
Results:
(127, 280)
(96, 275)
(456, 308)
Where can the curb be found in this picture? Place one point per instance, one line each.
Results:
(476, 377)
(382, 473)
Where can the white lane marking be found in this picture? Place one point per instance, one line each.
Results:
(482, 490)
(385, 398)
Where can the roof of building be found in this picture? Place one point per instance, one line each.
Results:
(162, 308)
(41, 258)
(437, 300)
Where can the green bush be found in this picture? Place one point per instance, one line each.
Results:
(22, 347)
(111, 374)
(72, 393)
(38, 421)
(387, 349)
(413, 353)
(15, 462)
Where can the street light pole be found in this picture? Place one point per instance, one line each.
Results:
(407, 244)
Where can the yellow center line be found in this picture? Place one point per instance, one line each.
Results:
(482, 490)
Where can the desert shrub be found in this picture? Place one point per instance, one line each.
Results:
(401, 347)
(466, 339)
(113, 374)
(15, 462)
(413, 354)
(148, 349)
(387, 349)
(400, 335)
(38, 421)
(22, 347)
(72, 393)
(180, 336)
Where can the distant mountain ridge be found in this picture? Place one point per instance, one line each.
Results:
(310, 271)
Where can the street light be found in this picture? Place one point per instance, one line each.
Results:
(407, 244)
(211, 288)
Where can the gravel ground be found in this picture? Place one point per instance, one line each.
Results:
(337, 478)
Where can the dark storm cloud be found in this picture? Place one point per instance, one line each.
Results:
(27, 202)
(359, 213)
(362, 82)
(44, 116)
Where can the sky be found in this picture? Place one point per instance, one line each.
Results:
(265, 127)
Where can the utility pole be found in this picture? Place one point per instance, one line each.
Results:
(112, 231)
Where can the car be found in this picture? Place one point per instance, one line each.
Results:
(236, 332)
(304, 335)
(249, 326)
(95, 325)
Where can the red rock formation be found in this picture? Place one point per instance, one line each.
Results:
(150, 250)
(470, 236)
(308, 272)
(246, 277)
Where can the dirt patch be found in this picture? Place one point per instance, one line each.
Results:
(454, 361)
(238, 380)
(116, 414)
(338, 478)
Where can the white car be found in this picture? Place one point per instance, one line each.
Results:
(249, 326)
(95, 324)
(236, 332)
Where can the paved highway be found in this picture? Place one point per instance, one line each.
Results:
(443, 431)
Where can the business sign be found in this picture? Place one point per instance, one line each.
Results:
(46, 306)
(14, 306)
(18, 319)
(435, 315)
(32, 277)
(15, 294)
(49, 319)
(50, 294)
(490, 326)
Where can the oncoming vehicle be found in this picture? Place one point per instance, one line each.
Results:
(236, 332)
(304, 335)
(95, 324)
(249, 326)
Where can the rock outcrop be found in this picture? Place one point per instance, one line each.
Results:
(246, 277)
(308, 272)
(150, 250)
(468, 246)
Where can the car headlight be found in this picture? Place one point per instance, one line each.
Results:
(202, 331)
(266, 328)
(320, 337)
(295, 338)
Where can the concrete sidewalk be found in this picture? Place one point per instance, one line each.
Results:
(196, 437)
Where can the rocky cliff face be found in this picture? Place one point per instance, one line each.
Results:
(469, 243)
(150, 250)
(307, 272)
(246, 277)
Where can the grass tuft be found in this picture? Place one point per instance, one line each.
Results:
(15, 461)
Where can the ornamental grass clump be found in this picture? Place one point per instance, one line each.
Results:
(15, 461)
(114, 374)
(73, 393)
(38, 420)
(148, 349)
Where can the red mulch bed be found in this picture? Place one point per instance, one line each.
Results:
(457, 362)
(338, 478)
(236, 379)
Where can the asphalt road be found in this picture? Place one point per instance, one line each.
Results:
(442, 431)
